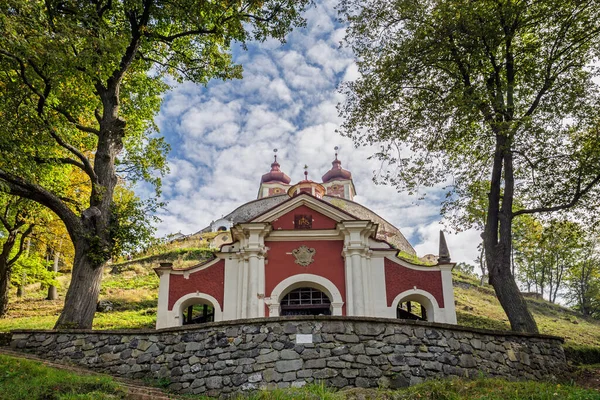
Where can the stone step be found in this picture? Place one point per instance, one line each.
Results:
(135, 390)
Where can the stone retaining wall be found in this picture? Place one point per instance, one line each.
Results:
(233, 356)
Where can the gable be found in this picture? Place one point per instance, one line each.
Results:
(295, 218)
(311, 205)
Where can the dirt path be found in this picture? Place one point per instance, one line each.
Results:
(589, 378)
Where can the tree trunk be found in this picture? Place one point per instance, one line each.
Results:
(52, 291)
(498, 240)
(5, 271)
(82, 296)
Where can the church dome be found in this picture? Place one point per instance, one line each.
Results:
(336, 172)
(275, 175)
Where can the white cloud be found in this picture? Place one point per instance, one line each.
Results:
(462, 246)
(223, 135)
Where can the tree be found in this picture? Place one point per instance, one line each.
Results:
(583, 279)
(82, 82)
(17, 226)
(494, 90)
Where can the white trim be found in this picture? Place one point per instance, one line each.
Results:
(317, 234)
(162, 309)
(424, 298)
(448, 291)
(195, 269)
(186, 300)
(305, 280)
(408, 264)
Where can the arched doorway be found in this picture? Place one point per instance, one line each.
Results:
(197, 311)
(305, 301)
(415, 304)
(411, 310)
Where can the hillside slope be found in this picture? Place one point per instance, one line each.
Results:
(132, 288)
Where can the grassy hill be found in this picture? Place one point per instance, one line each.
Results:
(132, 287)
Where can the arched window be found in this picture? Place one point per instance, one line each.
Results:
(411, 310)
(222, 229)
(198, 312)
(306, 301)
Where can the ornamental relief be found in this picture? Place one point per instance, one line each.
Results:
(304, 255)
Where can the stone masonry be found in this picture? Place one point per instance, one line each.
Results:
(216, 359)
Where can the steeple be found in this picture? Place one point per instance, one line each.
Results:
(274, 182)
(275, 175)
(336, 172)
(338, 181)
(444, 253)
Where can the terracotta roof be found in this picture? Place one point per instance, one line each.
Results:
(275, 175)
(336, 172)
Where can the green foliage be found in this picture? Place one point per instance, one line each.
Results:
(35, 269)
(131, 222)
(465, 268)
(502, 93)
(412, 258)
(22, 379)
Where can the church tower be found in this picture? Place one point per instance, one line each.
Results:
(275, 182)
(338, 181)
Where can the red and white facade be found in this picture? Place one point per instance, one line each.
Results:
(305, 242)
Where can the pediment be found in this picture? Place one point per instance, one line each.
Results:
(303, 204)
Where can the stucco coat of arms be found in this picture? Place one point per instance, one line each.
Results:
(304, 255)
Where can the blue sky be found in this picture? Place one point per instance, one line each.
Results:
(223, 136)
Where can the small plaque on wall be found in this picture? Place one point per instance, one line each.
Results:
(303, 339)
(303, 221)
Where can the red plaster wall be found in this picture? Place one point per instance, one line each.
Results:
(210, 281)
(399, 278)
(328, 262)
(320, 221)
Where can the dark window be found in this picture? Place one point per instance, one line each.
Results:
(305, 301)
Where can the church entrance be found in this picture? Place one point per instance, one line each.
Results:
(305, 301)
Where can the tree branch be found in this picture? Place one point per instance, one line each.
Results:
(72, 120)
(85, 165)
(20, 187)
(21, 245)
(579, 193)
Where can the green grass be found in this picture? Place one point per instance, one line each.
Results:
(478, 307)
(22, 379)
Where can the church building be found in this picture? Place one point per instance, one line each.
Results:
(308, 249)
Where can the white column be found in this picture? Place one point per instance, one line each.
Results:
(349, 284)
(252, 299)
(261, 285)
(244, 292)
(366, 281)
(163, 319)
(359, 296)
(449, 310)
(231, 290)
(378, 289)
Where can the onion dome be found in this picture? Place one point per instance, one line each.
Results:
(275, 175)
(336, 172)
